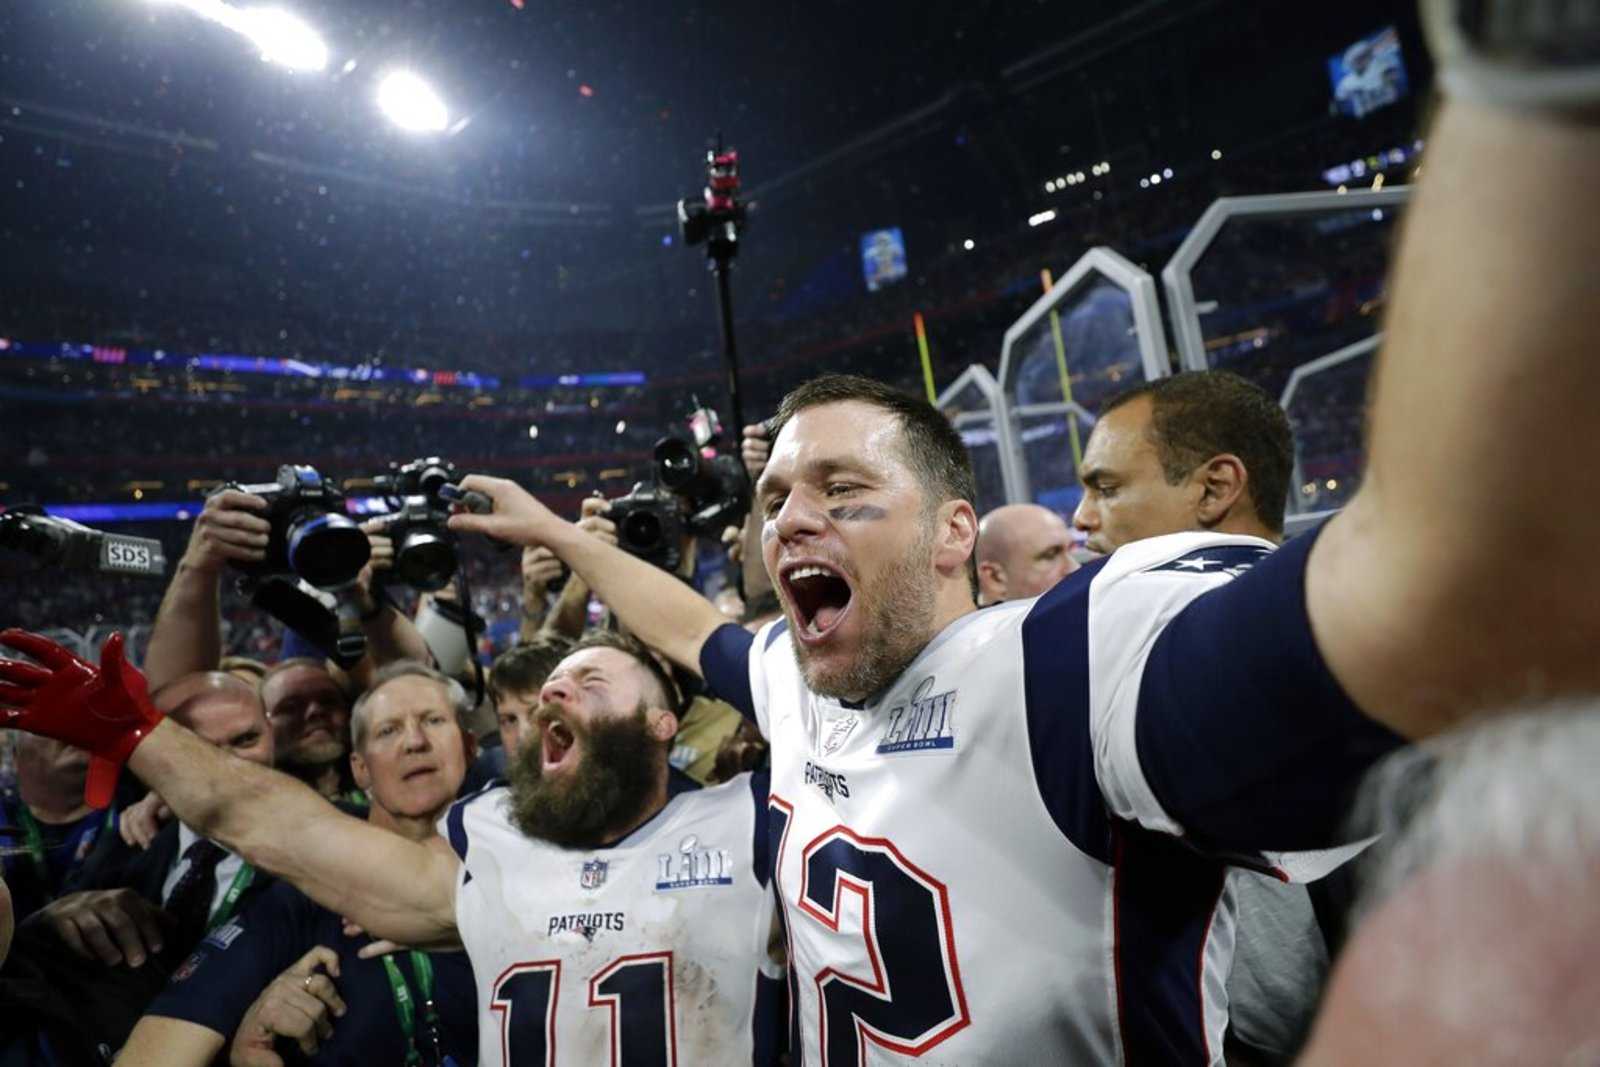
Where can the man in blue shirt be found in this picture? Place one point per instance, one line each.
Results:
(49, 830)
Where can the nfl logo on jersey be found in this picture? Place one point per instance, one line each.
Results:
(594, 874)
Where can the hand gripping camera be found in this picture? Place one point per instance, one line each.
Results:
(311, 536)
(424, 548)
(695, 488)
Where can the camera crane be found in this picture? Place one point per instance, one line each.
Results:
(716, 221)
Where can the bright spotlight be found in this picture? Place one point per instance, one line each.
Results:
(283, 38)
(280, 37)
(1155, 179)
(533, 432)
(1167, 173)
(411, 103)
(1216, 153)
(1041, 218)
(969, 244)
(622, 424)
(1050, 186)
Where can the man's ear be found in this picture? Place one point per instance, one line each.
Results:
(991, 579)
(955, 536)
(358, 771)
(1223, 482)
(661, 724)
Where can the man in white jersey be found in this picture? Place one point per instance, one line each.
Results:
(610, 913)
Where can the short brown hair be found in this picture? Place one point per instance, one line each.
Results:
(632, 646)
(931, 446)
(1197, 415)
(524, 667)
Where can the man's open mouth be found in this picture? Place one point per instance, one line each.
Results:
(417, 772)
(556, 743)
(820, 595)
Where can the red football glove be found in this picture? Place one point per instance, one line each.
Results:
(104, 709)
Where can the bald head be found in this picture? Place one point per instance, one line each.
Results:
(1023, 550)
(221, 708)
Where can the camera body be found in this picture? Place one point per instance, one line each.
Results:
(424, 548)
(694, 488)
(650, 524)
(311, 536)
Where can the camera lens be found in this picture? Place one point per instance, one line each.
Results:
(676, 463)
(327, 549)
(642, 530)
(425, 561)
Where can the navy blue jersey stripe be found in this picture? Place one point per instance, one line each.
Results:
(1164, 898)
(767, 1022)
(456, 821)
(1055, 677)
(725, 665)
(761, 850)
(781, 628)
(1243, 733)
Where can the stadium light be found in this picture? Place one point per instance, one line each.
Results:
(1041, 218)
(1167, 173)
(1050, 186)
(283, 38)
(1144, 183)
(280, 37)
(533, 432)
(622, 424)
(1216, 153)
(969, 244)
(1155, 179)
(410, 103)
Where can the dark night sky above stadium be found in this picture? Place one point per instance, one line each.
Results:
(138, 125)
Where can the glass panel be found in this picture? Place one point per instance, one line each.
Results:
(1047, 449)
(1276, 292)
(984, 448)
(1092, 330)
(1327, 412)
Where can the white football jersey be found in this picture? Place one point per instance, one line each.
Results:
(649, 951)
(972, 865)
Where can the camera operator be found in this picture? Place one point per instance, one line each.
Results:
(187, 635)
(570, 615)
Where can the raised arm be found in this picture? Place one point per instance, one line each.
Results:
(656, 607)
(1464, 574)
(396, 889)
(187, 635)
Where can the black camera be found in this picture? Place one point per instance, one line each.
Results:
(694, 489)
(650, 525)
(311, 536)
(424, 548)
(66, 544)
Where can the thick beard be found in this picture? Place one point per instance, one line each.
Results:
(619, 767)
(898, 609)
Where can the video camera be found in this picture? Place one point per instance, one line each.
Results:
(69, 545)
(695, 488)
(311, 537)
(424, 548)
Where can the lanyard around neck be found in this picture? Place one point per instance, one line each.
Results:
(230, 899)
(405, 1007)
(33, 839)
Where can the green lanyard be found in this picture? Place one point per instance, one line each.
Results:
(35, 840)
(230, 899)
(406, 1008)
(356, 798)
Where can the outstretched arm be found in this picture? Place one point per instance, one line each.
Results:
(395, 888)
(656, 607)
(187, 635)
(1464, 573)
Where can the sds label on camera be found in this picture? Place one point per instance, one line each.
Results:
(127, 557)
